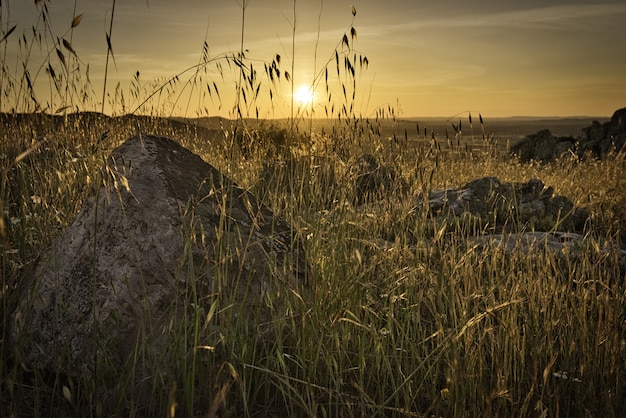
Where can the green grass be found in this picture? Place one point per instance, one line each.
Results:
(401, 317)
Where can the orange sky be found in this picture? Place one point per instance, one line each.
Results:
(426, 58)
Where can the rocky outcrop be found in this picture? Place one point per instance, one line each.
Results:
(596, 140)
(487, 214)
(599, 139)
(542, 146)
(167, 236)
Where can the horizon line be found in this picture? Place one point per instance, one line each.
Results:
(457, 116)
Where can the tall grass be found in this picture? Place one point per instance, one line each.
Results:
(403, 315)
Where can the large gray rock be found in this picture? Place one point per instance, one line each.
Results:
(167, 236)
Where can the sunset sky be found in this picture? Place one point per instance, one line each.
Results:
(426, 58)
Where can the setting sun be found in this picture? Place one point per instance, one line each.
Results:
(304, 95)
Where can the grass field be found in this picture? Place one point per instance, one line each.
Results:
(403, 318)
(424, 326)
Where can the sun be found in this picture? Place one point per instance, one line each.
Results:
(304, 95)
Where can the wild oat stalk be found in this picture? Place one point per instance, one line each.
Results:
(108, 36)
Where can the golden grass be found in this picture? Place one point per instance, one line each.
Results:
(404, 317)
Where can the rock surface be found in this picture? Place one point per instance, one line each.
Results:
(164, 227)
(597, 140)
(568, 244)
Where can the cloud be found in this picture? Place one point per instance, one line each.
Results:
(566, 16)
(569, 17)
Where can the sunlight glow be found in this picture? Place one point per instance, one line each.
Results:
(304, 95)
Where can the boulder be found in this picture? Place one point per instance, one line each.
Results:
(542, 146)
(499, 206)
(165, 239)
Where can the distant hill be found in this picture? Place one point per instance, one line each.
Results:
(517, 127)
(510, 129)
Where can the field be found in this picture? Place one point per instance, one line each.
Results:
(401, 316)
(424, 326)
